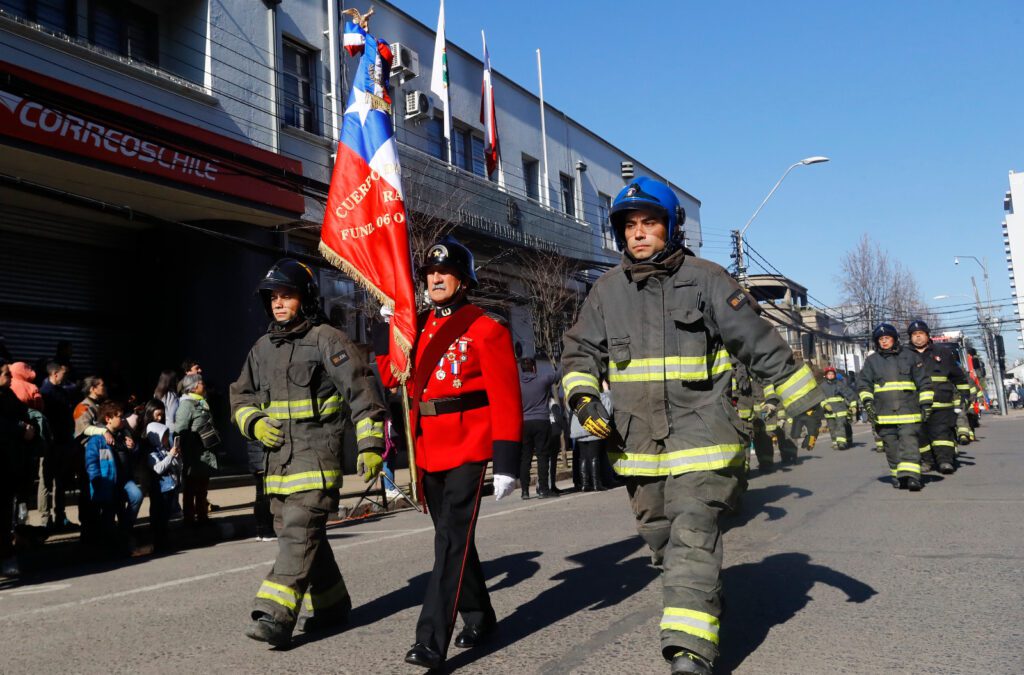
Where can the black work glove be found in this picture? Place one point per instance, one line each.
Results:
(592, 414)
(926, 412)
(869, 409)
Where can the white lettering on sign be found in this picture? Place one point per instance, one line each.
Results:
(51, 121)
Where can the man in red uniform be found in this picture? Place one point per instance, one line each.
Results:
(466, 410)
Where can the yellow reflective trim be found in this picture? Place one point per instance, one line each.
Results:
(300, 482)
(948, 444)
(692, 622)
(908, 467)
(796, 386)
(277, 599)
(940, 378)
(895, 386)
(575, 380)
(709, 458)
(243, 414)
(278, 593)
(865, 396)
(926, 448)
(329, 598)
(899, 419)
(926, 396)
(943, 404)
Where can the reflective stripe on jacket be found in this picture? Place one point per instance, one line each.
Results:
(897, 383)
(838, 396)
(947, 378)
(315, 383)
(663, 341)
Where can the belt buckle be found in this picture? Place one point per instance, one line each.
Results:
(428, 408)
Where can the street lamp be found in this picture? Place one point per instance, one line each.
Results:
(806, 161)
(989, 328)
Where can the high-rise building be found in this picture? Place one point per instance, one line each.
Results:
(1013, 246)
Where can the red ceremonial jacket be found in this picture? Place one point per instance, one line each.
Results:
(481, 359)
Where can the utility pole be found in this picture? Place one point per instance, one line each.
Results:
(985, 318)
(737, 255)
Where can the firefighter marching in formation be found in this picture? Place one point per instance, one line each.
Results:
(466, 410)
(938, 432)
(839, 405)
(302, 384)
(660, 327)
(896, 392)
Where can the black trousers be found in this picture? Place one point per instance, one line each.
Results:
(535, 442)
(457, 584)
(938, 437)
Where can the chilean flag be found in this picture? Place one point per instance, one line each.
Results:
(487, 117)
(365, 231)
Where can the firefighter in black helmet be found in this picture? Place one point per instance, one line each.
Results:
(938, 433)
(897, 395)
(303, 383)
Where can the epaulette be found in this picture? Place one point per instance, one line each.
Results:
(497, 317)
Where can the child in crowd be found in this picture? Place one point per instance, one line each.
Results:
(165, 462)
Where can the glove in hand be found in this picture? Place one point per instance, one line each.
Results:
(593, 416)
(503, 486)
(926, 412)
(769, 409)
(369, 463)
(268, 432)
(869, 408)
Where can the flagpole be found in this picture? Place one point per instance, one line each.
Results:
(545, 193)
(439, 80)
(410, 443)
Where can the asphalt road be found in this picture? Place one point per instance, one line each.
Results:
(828, 570)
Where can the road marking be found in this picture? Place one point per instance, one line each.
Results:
(34, 590)
(248, 568)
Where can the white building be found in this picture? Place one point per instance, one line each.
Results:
(1013, 246)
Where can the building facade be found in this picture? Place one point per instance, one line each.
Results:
(158, 157)
(1013, 248)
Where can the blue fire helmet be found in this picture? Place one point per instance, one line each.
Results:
(885, 329)
(647, 193)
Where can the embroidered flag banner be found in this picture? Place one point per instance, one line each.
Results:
(487, 117)
(365, 231)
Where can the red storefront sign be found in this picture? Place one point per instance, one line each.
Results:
(221, 165)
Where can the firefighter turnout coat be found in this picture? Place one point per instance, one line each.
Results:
(898, 385)
(662, 335)
(315, 382)
(947, 378)
(839, 398)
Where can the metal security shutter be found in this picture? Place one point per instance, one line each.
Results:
(60, 280)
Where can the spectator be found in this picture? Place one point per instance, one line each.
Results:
(189, 367)
(23, 384)
(199, 437)
(167, 391)
(536, 390)
(15, 432)
(101, 465)
(394, 443)
(1014, 397)
(87, 425)
(164, 461)
(57, 468)
(589, 449)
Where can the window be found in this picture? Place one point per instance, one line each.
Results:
(125, 28)
(54, 15)
(297, 83)
(604, 209)
(531, 173)
(568, 190)
(468, 151)
(435, 138)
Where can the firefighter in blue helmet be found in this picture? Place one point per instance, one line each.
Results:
(661, 328)
(938, 433)
(897, 395)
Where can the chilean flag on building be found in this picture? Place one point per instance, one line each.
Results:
(490, 122)
(365, 230)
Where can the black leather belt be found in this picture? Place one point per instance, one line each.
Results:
(443, 406)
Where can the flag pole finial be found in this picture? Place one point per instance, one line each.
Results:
(361, 20)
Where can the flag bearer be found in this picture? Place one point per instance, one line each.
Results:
(661, 327)
(302, 384)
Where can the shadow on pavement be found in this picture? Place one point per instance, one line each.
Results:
(758, 500)
(926, 479)
(604, 578)
(762, 595)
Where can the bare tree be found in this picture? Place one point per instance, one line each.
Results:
(879, 288)
(553, 296)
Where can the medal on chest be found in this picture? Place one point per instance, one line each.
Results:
(451, 362)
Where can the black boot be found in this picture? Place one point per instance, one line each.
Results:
(586, 477)
(595, 474)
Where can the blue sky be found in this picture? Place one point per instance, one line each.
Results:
(918, 104)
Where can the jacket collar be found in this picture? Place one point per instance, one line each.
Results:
(639, 271)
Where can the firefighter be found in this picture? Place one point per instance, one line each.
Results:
(897, 395)
(302, 384)
(661, 327)
(466, 410)
(938, 434)
(764, 423)
(838, 406)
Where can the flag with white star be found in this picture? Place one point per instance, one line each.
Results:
(365, 230)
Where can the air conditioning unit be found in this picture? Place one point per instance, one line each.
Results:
(405, 62)
(417, 105)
